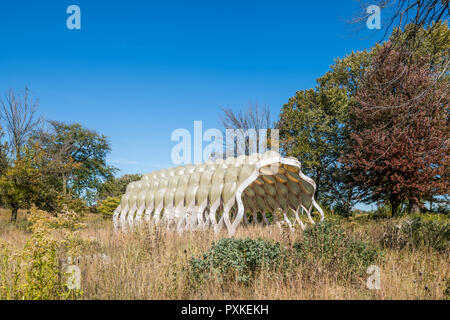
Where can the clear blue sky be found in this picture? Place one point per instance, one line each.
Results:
(137, 70)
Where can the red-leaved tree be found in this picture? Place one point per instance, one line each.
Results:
(399, 138)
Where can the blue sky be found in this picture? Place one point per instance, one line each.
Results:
(138, 70)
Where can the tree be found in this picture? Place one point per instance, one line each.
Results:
(18, 187)
(400, 153)
(3, 157)
(23, 184)
(313, 126)
(314, 123)
(78, 155)
(115, 187)
(18, 113)
(3, 153)
(252, 118)
(412, 22)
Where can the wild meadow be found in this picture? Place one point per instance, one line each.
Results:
(327, 261)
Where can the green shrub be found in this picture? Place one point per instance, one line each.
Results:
(238, 259)
(431, 216)
(381, 212)
(327, 243)
(442, 209)
(107, 206)
(342, 209)
(417, 232)
(34, 272)
(73, 204)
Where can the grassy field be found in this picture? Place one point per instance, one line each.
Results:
(155, 264)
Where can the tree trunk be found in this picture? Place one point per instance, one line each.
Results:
(17, 151)
(413, 207)
(394, 209)
(64, 182)
(14, 214)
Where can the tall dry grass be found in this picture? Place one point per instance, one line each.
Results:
(154, 264)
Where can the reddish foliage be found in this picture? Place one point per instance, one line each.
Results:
(399, 141)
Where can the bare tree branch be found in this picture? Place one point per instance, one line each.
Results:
(18, 114)
(252, 117)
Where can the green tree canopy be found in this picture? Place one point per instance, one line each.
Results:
(313, 124)
(79, 156)
(24, 184)
(116, 187)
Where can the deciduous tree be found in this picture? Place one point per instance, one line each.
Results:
(115, 187)
(251, 118)
(399, 148)
(313, 126)
(3, 153)
(24, 184)
(18, 114)
(79, 157)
